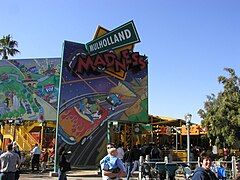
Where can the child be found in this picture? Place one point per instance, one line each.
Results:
(44, 160)
(109, 163)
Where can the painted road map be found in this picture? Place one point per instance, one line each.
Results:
(29, 89)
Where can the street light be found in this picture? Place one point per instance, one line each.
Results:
(188, 118)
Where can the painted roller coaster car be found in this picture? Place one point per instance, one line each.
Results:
(114, 99)
(77, 127)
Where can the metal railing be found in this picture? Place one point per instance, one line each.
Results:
(24, 140)
(231, 167)
(28, 137)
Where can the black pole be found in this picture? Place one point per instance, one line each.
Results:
(14, 130)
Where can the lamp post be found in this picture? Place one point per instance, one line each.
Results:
(188, 118)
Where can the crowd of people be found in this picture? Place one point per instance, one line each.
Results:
(121, 162)
(118, 162)
(124, 162)
(11, 160)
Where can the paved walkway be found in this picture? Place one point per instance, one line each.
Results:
(72, 175)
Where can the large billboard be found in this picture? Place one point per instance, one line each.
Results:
(106, 85)
(29, 89)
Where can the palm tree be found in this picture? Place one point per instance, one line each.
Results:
(8, 47)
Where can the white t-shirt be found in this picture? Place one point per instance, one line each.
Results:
(214, 149)
(36, 150)
(120, 152)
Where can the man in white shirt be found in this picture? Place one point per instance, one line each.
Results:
(36, 152)
(10, 161)
(120, 151)
(215, 152)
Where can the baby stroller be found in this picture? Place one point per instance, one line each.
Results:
(188, 173)
(148, 172)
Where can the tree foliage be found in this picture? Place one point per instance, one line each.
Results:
(221, 114)
(8, 47)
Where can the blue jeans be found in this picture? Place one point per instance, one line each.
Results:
(62, 175)
(129, 166)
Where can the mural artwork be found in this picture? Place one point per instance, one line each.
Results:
(29, 89)
(110, 85)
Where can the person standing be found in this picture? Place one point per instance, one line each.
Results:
(52, 154)
(17, 151)
(128, 161)
(120, 151)
(36, 152)
(155, 153)
(44, 160)
(225, 153)
(136, 156)
(215, 152)
(111, 163)
(113, 175)
(10, 161)
(204, 172)
(63, 161)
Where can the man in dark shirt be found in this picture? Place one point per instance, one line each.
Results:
(136, 156)
(128, 161)
(17, 151)
(204, 172)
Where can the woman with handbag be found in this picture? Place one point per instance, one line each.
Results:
(63, 165)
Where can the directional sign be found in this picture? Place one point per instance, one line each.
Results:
(147, 127)
(119, 37)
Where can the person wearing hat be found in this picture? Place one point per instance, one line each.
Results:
(16, 149)
(112, 167)
(10, 161)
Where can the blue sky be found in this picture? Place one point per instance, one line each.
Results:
(188, 43)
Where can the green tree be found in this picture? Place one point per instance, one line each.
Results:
(8, 47)
(221, 116)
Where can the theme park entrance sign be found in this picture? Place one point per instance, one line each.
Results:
(106, 60)
(122, 36)
(101, 82)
